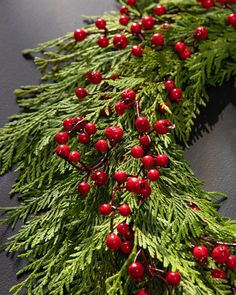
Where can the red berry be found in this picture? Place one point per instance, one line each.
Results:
(90, 128)
(136, 50)
(232, 1)
(80, 35)
(133, 185)
(173, 278)
(142, 124)
(81, 93)
(161, 109)
(162, 126)
(143, 292)
(207, 3)
(218, 273)
(62, 151)
(69, 123)
(103, 41)
(185, 54)
(200, 253)
(153, 175)
(136, 28)
(84, 138)
(137, 151)
(136, 270)
(120, 41)
(148, 22)
(221, 254)
(176, 94)
(124, 210)
(158, 39)
(159, 10)
(120, 108)
(146, 190)
(231, 263)
(124, 20)
(74, 156)
(131, 2)
(113, 242)
(169, 85)
(162, 160)
(62, 137)
(148, 161)
(145, 140)
(126, 247)
(99, 177)
(101, 23)
(84, 188)
(105, 209)
(201, 33)
(120, 176)
(180, 47)
(231, 19)
(94, 77)
(123, 228)
(124, 10)
(128, 96)
(102, 146)
(114, 133)
(195, 207)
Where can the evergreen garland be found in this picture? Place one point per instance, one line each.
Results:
(64, 234)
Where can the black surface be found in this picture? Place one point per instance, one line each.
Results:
(24, 23)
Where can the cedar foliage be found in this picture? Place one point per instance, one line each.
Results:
(63, 236)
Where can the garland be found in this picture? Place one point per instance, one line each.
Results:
(116, 209)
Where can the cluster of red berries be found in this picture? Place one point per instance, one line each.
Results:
(128, 97)
(174, 94)
(123, 240)
(220, 254)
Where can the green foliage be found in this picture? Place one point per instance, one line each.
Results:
(63, 236)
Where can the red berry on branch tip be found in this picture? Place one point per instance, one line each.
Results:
(80, 35)
(148, 161)
(103, 41)
(90, 128)
(62, 137)
(120, 176)
(136, 50)
(169, 85)
(74, 156)
(173, 278)
(124, 210)
(128, 96)
(83, 188)
(105, 209)
(153, 175)
(120, 108)
(218, 273)
(142, 124)
(102, 146)
(124, 20)
(231, 263)
(113, 242)
(179, 47)
(126, 247)
(84, 138)
(136, 270)
(163, 126)
(120, 41)
(124, 10)
(133, 185)
(143, 292)
(69, 123)
(158, 39)
(62, 151)
(185, 54)
(145, 140)
(176, 94)
(81, 93)
(123, 228)
(100, 23)
(99, 177)
(94, 77)
(114, 133)
(148, 22)
(136, 28)
(159, 9)
(137, 151)
(200, 253)
(201, 33)
(162, 160)
(221, 254)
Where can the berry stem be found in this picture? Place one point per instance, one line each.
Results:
(217, 242)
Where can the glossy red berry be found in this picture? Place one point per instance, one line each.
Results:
(218, 273)
(148, 161)
(124, 10)
(123, 228)
(179, 47)
(131, 2)
(124, 20)
(103, 41)
(69, 123)
(99, 177)
(90, 128)
(207, 3)
(137, 151)
(124, 210)
(62, 151)
(120, 41)
(159, 9)
(162, 126)
(113, 242)
(114, 133)
(105, 209)
(153, 175)
(136, 28)
(169, 85)
(100, 23)
(221, 254)
(83, 188)
(94, 77)
(120, 108)
(120, 176)
(200, 253)
(80, 35)
(126, 247)
(133, 185)
(74, 156)
(201, 33)
(142, 124)
(145, 140)
(136, 270)
(62, 137)
(185, 54)
(102, 146)
(195, 207)
(148, 22)
(162, 160)
(176, 94)
(81, 93)
(84, 138)
(136, 50)
(145, 190)
(128, 96)
(161, 109)
(173, 278)
(231, 263)
(143, 292)
(231, 19)
(158, 39)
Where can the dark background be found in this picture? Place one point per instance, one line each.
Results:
(25, 23)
